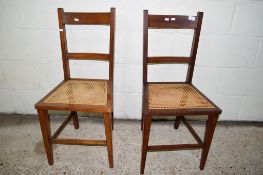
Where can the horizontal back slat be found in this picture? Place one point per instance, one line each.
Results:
(168, 59)
(86, 18)
(172, 21)
(88, 56)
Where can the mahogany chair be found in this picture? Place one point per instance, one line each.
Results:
(175, 98)
(85, 95)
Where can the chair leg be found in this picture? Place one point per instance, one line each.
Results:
(108, 133)
(177, 121)
(112, 120)
(44, 120)
(147, 120)
(142, 122)
(209, 132)
(75, 119)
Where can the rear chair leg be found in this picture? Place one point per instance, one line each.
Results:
(108, 133)
(142, 122)
(112, 120)
(177, 121)
(75, 119)
(44, 120)
(147, 120)
(209, 132)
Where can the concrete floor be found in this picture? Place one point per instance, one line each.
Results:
(236, 148)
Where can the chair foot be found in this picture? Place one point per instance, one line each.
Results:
(44, 120)
(75, 119)
(177, 121)
(209, 132)
(108, 133)
(147, 120)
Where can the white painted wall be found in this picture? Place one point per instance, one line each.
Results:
(229, 66)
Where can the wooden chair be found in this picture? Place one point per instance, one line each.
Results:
(86, 95)
(175, 98)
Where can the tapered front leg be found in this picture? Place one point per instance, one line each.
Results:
(209, 132)
(108, 133)
(44, 121)
(75, 119)
(147, 120)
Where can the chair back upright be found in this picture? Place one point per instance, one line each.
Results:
(69, 18)
(171, 22)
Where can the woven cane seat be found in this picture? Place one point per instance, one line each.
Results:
(175, 96)
(84, 92)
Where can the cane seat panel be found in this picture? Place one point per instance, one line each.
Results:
(84, 92)
(176, 96)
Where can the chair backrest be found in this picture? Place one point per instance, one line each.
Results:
(70, 18)
(171, 22)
